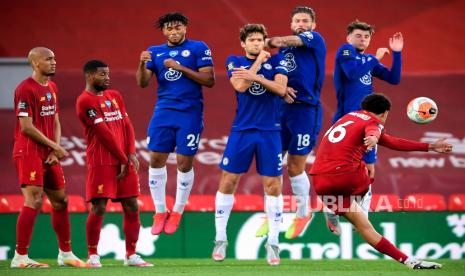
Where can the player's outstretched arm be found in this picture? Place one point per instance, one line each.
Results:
(28, 129)
(143, 74)
(440, 146)
(205, 76)
(284, 41)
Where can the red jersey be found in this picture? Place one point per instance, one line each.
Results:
(108, 109)
(342, 147)
(39, 102)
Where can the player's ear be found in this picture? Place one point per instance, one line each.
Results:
(243, 44)
(313, 26)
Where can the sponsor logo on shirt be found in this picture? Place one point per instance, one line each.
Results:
(361, 116)
(308, 34)
(172, 75)
(185, 53)
(256, 88)
(290, 62)
(47, 110)
(160, 54)
(173, 53)
(208, 52)
(366, 79)
(112, 116)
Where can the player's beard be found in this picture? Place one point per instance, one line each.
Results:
(51, 74)
(100, 88)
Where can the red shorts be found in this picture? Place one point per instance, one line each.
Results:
(102, 183)
(338, 191)
(32, 171)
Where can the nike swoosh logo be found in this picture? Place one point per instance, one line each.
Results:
(194, 148)
(300, 148)
(160, 54)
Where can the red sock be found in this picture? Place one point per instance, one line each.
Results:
(387, 248)
(93, 227)
(131, 226)
(60, 223)
(24, 227)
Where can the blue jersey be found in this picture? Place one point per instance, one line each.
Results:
(257, 108)
(353, 74)
(306, 66)
(175, 90)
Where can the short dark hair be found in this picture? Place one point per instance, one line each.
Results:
(304, 9)
(252, 28)
(376, 103)
(359, 25)
(171, 18)
(92, 65)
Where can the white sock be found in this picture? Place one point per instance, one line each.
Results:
(184, 186)
(274, 212)
(223, 207)
(366, 201)
(157, 185)
(301, 188)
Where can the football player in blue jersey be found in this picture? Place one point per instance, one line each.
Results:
(181, 67)
(259, 81)
(301, 115)
(353, 73)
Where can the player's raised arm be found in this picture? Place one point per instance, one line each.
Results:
(392, 75)
(241, 78)
(143, 75)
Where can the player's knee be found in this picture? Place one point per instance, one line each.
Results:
(130, 205)
(98, 209)
(185, 164)
(36, 202)
(157, 160)
(295, 168)
(60, 204)
(273, 189)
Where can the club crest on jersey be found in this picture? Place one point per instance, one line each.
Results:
(49, 96)
(185, 53)
(366, 79)
(108, 103)
(173, 53)
(256, 88)
(267, 66)
(290, 62)
(115, 103)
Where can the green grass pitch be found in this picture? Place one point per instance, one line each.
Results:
(234, 267)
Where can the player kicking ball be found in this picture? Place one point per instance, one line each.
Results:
(111, 161)
(339, 175)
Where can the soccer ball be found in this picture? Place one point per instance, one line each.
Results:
(422, 110)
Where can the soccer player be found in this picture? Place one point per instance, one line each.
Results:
(301, 116)
(339, 173)
(259, 81)
(353, 74)
(36, 154)
(181, 66)
(111, 160)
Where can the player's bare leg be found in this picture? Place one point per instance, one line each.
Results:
(93, 227)
(273, 209)
(300, 184)
(363, 226)
(157, 184)
(184, 183)
(131, 227)
(61, 225)
(224, 202)
(24, 227)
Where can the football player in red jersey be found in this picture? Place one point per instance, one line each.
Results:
(111, 160)
(340, 175)
(36, 154)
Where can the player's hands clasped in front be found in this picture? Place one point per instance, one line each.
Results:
(171, 63)
(290, 95)
(440, 146)
(396, 42)
(134, 161)
(51, 159)
(145, 56)
(60, 152)
(370, 142)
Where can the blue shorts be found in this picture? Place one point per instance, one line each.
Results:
(371, 156)
(300, 124)
(169, 129)
(242, 146)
